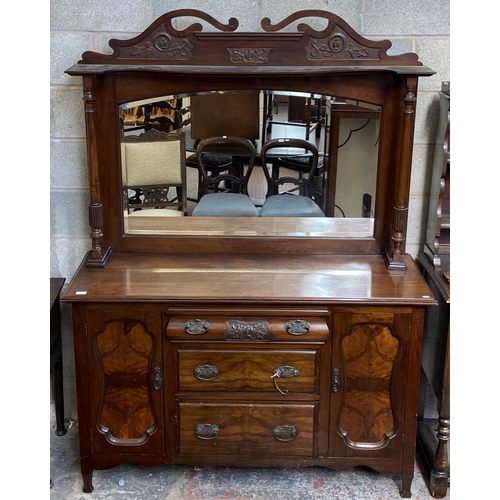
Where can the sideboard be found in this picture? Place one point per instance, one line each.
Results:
(252, 341)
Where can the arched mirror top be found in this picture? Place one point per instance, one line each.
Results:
(188, 70)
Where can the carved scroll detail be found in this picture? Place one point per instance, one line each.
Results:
(164, 46)
(253, 330)
(338, 41)
(338, 46)
(161, 41)
(242, 55)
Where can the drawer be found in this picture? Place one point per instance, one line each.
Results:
(246, 429)
(261, 370)
(258, 326)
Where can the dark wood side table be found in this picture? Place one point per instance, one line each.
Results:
(56, 367)
(434, 434)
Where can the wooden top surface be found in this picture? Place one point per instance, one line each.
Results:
(438, 275)
(266, 279)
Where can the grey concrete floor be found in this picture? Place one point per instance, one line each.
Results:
(134, 482)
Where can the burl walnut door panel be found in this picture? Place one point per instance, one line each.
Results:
(367, 384)
(126, 381)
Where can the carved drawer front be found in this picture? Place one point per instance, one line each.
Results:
(246, 429)
(277, 372)
(258, 327)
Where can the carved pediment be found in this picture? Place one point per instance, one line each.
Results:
(337, 45)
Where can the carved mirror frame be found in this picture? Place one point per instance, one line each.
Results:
(165, 61)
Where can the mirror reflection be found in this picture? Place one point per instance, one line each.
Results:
(317, 178)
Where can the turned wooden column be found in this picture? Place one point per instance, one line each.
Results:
(394, 258)
(99, 256)
(439, 474)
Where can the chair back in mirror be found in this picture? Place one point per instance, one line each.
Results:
(215, 200)
(290, 203)
(154, 174)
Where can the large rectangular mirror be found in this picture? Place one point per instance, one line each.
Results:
(345, 133)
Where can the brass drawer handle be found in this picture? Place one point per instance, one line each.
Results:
(206, 372)
(284, 372)
(196, 326)
(297, 327)
(285, 433)
(206, 431)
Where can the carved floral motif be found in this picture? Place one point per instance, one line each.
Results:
(334, 47)
(242, 55)
(171, 48)
(252, 330)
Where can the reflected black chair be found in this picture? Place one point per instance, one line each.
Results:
(215, 200)
(291, 203)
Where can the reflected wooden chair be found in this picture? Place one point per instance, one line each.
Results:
(214, 165)
(154, 165)
(298, 203)
(215, 200)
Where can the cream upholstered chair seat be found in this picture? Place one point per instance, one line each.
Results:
(154, 166)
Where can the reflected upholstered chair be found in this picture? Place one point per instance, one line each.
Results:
(154, 168)
(216, 201)
(290, 204)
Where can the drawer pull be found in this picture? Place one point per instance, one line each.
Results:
(206, 431)
(284, 372)
(297, 327)
(206, 372)
(285, 433)
(196, 326)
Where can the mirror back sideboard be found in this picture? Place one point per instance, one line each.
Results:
(223, 343)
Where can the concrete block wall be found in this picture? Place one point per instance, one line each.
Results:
(420, 26)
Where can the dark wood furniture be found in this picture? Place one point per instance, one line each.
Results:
(434, 434)
(243, 341)
(56, 361)
(437, 243)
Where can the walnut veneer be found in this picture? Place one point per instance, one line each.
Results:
(223, 345)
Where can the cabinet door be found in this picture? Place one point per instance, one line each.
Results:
(367, 384)
(125, 377)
